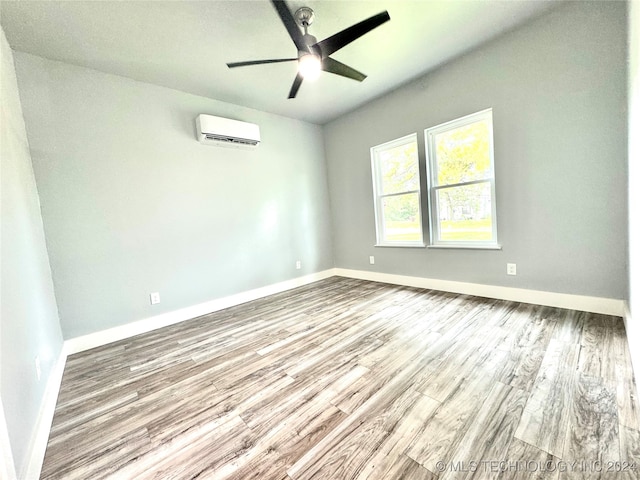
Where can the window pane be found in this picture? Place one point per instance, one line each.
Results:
(465, 213)
(396, 186)
(401, 218)
(463, 154)
(399, 168)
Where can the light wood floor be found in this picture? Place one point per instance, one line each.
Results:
(347, 379)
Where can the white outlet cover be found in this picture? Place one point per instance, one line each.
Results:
(511, 269)
(372, 260)
(154, 298)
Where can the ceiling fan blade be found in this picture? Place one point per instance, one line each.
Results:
(290, 24)
(259, 62)
(333, 66)
(336, 42)
(296, 86)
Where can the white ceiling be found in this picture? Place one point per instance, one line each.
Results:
(186, 44)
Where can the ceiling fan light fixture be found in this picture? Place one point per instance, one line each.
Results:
(309, 66)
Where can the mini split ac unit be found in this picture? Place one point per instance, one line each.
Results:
(226, 133)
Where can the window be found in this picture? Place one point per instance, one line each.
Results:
(396, 188)
(461, 182)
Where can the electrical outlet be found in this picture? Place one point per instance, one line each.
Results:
(154, 298)
(38, 370)
(511, 269)
(372, 260)
(298, 265)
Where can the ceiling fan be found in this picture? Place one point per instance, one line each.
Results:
(313, 56)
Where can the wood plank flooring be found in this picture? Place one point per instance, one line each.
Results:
(348, 379)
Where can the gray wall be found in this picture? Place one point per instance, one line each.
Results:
(557, 89)
(133, 204)
(29, 318)
(633, 326)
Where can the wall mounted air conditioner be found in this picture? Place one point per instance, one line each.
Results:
(225, 132)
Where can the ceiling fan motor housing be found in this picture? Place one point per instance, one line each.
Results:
(310, 42)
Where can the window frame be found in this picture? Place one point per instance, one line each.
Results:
(433, 187)
(378, 196)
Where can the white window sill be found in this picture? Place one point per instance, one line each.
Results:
(468, 247)
(402, 245)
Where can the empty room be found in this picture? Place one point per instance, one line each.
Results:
(313, 239)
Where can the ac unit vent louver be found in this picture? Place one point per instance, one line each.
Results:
(238, 141)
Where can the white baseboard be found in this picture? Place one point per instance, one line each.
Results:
(40, 437)
(608, 306)
(633, 337)
(7, 467)
(562, 300)
(97, 339)
(627, 316)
